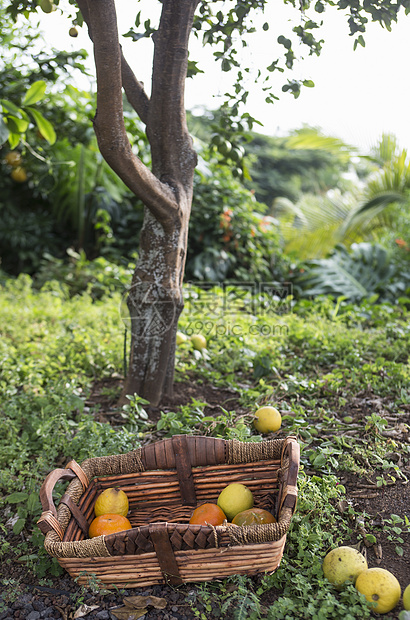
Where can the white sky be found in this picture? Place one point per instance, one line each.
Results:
(358, 95)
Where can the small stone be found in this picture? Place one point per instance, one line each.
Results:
(103, 615)
(48, 611)
(22, 601)
(34, 615)
(38, 605)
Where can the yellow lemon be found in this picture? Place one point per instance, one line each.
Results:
(235, 498)
(381, 587)
(267, 419)
(113, 501)
(198, 342)
(406, 598)
(343, 564)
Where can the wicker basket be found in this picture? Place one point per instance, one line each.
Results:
(164, 481)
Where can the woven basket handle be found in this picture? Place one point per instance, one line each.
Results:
(290, 490)
(48, 520)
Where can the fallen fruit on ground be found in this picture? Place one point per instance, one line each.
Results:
(108, 524)
(268, 419)
(13, 158)
(406, 598)
(379, 586)
(19, 174)
(208, 514)
(235, 498)
(253, 516)
(198, 342)
(343, 564)
(181, 337)
(113, 501)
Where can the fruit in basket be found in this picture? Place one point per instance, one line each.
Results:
(113, 501)
(379, 586)
(253, 516)
(343, 564)
(208, 514)
(235, 498)
(268, 419)
(406, 598)
(108, 524)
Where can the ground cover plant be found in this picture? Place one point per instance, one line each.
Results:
(339, 374)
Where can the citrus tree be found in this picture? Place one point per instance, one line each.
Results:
(166, 187)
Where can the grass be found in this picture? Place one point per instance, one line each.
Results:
(316, 361)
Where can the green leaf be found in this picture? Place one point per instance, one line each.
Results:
(33, 502)
(16, 125)
(9, 107)
(16, 497)
(35, 93)
(44, 126)
(4, 132)
(19, 526)
(14, 140)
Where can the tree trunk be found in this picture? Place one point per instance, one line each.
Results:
(155, 300)
(154, 303)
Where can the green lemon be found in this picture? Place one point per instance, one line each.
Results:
(198, 342)
(181, 337)
(235, 498)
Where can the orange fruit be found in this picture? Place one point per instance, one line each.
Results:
(112, 500)
(108, 524)
(253, 516)
(208, 514)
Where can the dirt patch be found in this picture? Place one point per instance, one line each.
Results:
(105, 393)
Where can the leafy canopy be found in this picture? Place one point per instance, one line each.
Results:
(227, 26)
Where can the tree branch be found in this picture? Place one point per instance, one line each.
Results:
(109, 127)
(167, 129)
(134, 90)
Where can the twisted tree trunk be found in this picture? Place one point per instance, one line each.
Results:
(155, 300)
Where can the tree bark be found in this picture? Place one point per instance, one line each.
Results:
(155, 300)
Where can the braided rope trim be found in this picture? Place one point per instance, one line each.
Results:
(249, 452)
(90, 547)
(253, 534)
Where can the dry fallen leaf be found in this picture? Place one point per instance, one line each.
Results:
(83, 610)
(63, 612)
(128, 613)
(145, 601)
